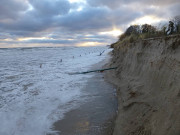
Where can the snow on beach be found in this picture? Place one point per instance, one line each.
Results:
(36, 89)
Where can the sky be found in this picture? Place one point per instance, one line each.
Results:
(25, 23)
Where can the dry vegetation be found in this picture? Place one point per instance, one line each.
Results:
(139, 32)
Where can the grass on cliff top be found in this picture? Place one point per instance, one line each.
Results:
(137, 32)
(133, 38)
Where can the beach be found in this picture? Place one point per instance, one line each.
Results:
(97, 114)
(39, 94)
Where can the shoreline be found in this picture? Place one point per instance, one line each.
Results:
(97, 115)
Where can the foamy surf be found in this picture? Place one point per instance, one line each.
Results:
(35, 88)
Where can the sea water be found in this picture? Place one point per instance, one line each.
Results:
(36, 88)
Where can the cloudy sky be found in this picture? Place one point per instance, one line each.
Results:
(76, 22)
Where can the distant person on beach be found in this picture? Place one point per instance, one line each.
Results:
(170, 28)
(41, 65)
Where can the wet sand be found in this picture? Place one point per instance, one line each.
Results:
(96, 116)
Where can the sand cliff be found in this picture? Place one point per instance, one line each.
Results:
(148, 86)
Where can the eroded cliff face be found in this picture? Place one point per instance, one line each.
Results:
(148, 81)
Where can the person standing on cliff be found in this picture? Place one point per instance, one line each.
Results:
(170, 28)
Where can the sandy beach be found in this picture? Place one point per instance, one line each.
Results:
(97, 114)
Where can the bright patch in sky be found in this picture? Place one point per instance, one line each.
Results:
(32, 38)
(8, 39)
(89, 44)
(147, 20)
(80, 9)
(30, 7)
(114, 32)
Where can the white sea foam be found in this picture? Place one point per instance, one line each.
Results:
(35, 89)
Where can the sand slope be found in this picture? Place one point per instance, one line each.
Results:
(148, 80)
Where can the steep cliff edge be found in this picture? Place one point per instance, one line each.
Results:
(148, 86)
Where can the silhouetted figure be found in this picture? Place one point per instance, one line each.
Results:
(170, 28)
(61, 60)
(40, 65)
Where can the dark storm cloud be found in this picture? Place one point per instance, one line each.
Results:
(92, 19)
(164, 8)
(50, 8)
(11, 9)
(30, 22)
(39, 18)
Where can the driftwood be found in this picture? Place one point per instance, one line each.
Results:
(98, 70)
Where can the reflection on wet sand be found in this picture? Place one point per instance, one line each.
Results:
(83, 127)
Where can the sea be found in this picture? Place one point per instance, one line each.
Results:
(38, 86)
